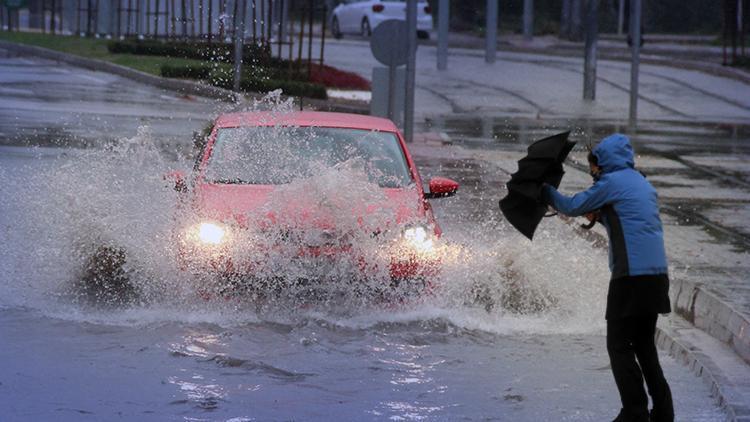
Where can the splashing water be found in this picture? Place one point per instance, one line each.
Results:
(63, 205)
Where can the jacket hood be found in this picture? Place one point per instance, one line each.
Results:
(614, 153)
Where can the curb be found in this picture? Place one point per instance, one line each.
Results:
(728, 394)
(181, 86)
(709, 313)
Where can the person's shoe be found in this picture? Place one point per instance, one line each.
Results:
(628, 417)
(663, 410)
(661, 415)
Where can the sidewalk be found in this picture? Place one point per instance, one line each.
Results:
(529, 85)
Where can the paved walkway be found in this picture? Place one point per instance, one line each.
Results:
(541, 87)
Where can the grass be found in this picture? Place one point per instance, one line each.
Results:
(93, 48)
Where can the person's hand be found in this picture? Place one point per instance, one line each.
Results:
(592, 216)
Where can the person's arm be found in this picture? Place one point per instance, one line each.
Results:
(581, 203)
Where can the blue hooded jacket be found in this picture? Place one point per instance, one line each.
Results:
(629, 210)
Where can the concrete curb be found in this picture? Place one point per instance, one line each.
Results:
(181, 86)
(709, 314)
(712, 315)
(729, 395)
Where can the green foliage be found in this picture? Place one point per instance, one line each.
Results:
(182, 71)
(219, 52)
(224, 78)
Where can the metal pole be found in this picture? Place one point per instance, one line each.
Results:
(239, 32)
(565, 19)
(281, 29)
(635, 32)
(255, 24)
(443, 20)
(323, 34)
(589, 66)
(575, 20)
(528, 20)
(209, 23)
(620, 16)
(491, 40)
(411, 64)
(310, 40)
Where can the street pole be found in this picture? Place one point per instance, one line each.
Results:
(589, 66)
(565, 19)
(411, 64)
(443, 19)
(491, 30)
(528, 20)
(635, 35)
(620, 16)
(239, 36)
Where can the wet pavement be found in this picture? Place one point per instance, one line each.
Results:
(47, 103)
(541, 87)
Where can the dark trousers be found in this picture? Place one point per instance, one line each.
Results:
(629, 338)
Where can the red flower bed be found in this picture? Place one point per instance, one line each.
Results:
(336, 78)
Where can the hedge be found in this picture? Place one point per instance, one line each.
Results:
(182, 71)
(292, 88)
(190, 50)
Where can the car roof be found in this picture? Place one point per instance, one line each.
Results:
(305, 118)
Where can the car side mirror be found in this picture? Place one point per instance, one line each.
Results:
(441, 187)
(178, 179)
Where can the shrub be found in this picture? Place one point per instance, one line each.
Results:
(221, 52)
(185, 71)
(293, 88)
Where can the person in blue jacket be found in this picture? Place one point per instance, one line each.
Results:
(627, 205)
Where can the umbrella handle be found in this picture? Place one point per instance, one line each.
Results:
(589, 226)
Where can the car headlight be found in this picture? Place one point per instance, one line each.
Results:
(211, 233)
(420, 238)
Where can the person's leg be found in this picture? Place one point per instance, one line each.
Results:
(627, 374)
(648, 358)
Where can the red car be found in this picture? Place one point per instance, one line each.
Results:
(279, 199)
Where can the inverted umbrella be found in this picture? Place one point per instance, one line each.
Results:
(523, 206)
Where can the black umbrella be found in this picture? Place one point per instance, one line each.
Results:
(523, 205)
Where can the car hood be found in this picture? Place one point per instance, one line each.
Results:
(256, 205)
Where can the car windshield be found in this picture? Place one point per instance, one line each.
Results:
(273, 155)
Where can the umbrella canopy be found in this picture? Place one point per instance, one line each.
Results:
(523, 206)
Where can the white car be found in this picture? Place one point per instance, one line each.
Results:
(362, 16)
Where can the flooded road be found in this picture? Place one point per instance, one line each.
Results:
(180, 357)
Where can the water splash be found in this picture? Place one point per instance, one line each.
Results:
(63, 209)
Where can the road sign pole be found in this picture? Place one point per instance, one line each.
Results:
(491, 31)
(411, 36)
(238, 40)
(443, 19)
(635, 36)
(589, 66)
